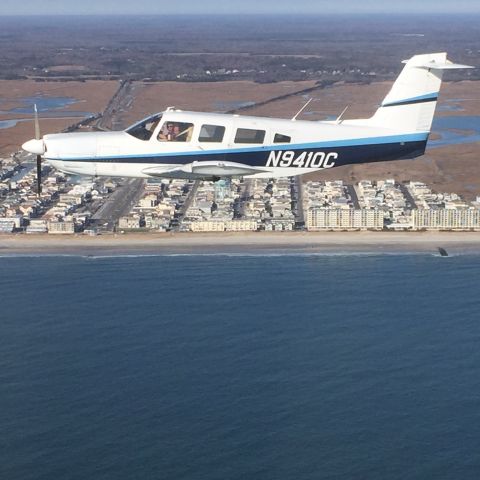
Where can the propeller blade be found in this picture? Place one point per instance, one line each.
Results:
(39, 174)
(39, 157)
(37, 123)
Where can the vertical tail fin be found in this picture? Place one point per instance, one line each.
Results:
(410, 104)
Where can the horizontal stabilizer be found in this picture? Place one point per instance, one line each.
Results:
(448, 65)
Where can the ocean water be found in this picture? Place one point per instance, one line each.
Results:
(240, 367)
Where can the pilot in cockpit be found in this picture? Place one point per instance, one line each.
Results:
(176, 132)
(167, 134)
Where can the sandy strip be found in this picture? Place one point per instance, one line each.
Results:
(281, 242)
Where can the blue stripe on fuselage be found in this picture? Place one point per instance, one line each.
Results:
(345, 155)
(318, 146)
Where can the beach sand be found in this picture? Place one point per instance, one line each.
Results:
(248, 242)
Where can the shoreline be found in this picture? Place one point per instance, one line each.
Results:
(241, 242)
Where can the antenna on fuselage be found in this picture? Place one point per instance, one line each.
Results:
(301, 110)
(339, 118)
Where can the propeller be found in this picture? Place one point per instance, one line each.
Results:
(37, 147)
(39, 157)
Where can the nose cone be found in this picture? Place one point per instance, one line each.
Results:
(34, 146)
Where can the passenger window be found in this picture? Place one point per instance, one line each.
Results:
(176, 132)
(279, 138)
(246, 135)
(211, 133)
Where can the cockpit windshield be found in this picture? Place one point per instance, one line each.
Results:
(143, 130)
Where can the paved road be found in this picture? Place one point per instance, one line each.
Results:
(245, 195)
(186, 205)
(121, 101)
(353, 195)
(119, 203)
(408, 195)
(297, 201)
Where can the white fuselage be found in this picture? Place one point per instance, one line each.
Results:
(277, 147)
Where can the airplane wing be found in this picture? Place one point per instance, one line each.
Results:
(204, 170)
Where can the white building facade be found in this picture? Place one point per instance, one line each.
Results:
(344, 219)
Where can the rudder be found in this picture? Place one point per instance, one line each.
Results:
(410, 104)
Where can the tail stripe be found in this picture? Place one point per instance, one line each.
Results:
(411, 101)
(410, 104)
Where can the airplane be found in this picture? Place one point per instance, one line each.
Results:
(209, 146)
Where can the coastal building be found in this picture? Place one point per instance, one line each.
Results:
(148, 201)
(446, 219)
(234, 205)
(208, 226)
(59, 228)
(224, 226)
(241, 226)
(129, 222)
(268, 203)
(71, 198)
(7, 225)
(10, 223)
(344, 219)
(158, 223)
(37, 226)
